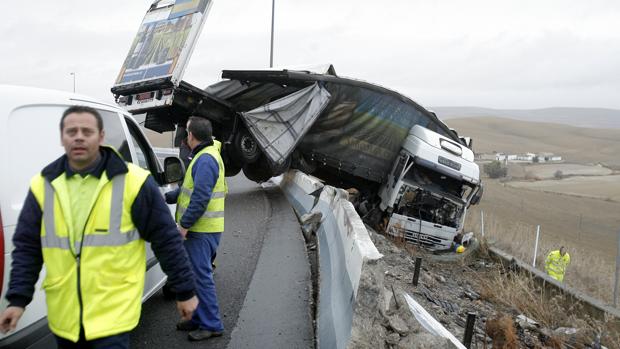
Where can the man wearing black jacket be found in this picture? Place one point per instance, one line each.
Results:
(87, 217)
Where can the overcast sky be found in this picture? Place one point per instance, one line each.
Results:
(489, 53)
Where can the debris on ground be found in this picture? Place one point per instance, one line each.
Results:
(449, 291)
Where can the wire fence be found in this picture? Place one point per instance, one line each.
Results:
(594, 256)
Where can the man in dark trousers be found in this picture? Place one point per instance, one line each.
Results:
(87, 217)
(200, 217)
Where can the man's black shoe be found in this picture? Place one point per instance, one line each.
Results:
(187, 325)
(200, 335)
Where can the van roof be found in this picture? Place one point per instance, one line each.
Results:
(12, 96)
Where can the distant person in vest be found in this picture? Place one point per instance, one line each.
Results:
(556, 263)
(200, 218)
(87, 217)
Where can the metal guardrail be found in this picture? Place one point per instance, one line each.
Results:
(592, 306)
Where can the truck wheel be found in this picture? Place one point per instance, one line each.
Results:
(231, 167)
(258, 172)
(278, 169)
(246, 147)
(299, 162)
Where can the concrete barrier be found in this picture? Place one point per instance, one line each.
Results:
(343, 245)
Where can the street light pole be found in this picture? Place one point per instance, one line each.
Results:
(73, 74)
(273, 9)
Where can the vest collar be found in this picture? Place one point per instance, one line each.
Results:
(111, 162)
(200, 147)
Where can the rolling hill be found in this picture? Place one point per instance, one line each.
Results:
(579, 117)
(575, 144)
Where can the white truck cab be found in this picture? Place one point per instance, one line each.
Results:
(29, 140)
(431, 185)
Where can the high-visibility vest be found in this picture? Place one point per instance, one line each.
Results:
(212, 220)
(555, 264)
(94, 278)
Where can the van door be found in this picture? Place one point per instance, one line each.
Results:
(143, 156)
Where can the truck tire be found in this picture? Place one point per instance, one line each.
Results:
(231, 167)
(258, 172)
(231, 170)
(299, 162)
(278, 169)
(246, 147)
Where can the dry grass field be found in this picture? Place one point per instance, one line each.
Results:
(549, 170)
(574, 144)
(511, 216)
(581, 213)
(599, 187)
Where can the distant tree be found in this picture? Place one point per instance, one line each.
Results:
(495, 169)
(558, 174)
(535, 159)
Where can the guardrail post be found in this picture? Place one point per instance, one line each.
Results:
(482, 222)
(536, 246)
(416, 272)
(469, 330)
(616, 286)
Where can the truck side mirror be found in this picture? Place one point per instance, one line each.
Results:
(476, 199)
(174, 170)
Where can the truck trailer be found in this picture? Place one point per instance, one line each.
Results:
(409, 167)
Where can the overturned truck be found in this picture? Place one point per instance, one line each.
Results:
(410, 169)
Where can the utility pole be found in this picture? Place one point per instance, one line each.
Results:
(273, 11)
(73, 74)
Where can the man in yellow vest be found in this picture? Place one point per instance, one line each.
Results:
(556, 263)
(87, 217)
(200, 217)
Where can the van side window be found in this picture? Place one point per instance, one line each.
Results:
(114, 133)
(144, 156)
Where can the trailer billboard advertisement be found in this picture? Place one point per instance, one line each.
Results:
(163, 43)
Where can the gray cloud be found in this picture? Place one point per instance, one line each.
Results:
(509, 54)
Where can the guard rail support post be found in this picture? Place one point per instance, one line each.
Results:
(469, 330)
(416, 272)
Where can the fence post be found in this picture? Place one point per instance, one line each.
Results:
(482, 222)
(616, 290)
(536, 245)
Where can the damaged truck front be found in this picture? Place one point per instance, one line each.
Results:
(426, 196)
(408, 166)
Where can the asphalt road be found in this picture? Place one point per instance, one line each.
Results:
(250, 218)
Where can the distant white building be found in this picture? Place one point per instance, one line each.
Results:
(526, 157)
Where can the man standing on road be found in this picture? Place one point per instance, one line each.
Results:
(556, 263)
(87, 217)
(200, 217)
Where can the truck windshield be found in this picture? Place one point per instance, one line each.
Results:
(424, 205)
(440, 184)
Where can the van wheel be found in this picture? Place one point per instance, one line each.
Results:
(246, 147)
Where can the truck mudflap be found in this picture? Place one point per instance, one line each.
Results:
(435, 237)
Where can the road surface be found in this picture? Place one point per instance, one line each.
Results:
(262, 279)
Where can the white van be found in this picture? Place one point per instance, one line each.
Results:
(29, 140)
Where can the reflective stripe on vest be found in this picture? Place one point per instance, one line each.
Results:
(114, 236)
(214, 195)
(207, 214)
(101, 291)
(212, 219)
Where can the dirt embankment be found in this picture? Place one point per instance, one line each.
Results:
(507, 305)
